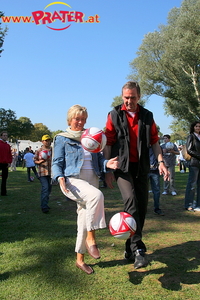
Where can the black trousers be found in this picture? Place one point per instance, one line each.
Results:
(29, 172)
(134, 191)
(4, 169)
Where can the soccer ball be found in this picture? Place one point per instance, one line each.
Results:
(169, 146)
(44, 154)
(122, 225)
(93, 140)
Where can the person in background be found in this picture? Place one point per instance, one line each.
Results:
(130, 130)
(14, 160)
(77, 172)
(181, 160)
(169, 156)
(193, 149)
(30, 149)
(5, 160)
(154, 178)
(28, 159)
(43, 158)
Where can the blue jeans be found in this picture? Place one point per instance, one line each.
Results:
(192, 185)
(45, 191)
(154, 178)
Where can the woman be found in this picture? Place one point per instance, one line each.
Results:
(193, 149)
(14, 160)
(77, 172)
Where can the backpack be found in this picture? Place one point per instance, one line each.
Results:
(186, 156)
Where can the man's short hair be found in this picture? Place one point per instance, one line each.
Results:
(3, 132)
(167, 136)
(130, 85)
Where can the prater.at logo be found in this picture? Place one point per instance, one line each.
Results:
(54, 20)
(45, 17)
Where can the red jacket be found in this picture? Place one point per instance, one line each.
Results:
(5, 153)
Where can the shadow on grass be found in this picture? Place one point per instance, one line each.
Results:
(181, 262)
(4, 276)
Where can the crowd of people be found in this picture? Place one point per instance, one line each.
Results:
(132, 157)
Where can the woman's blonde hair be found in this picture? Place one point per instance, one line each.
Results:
(76, 110)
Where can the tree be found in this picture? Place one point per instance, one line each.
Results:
(17, 129)
(39, 130)
(22, 129)
(117, 101)
(180, 130)
(168, 63)
(7, 120)
(55, 132)
(25, 128)
(2, 34)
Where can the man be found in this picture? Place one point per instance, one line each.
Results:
(28, 158)
(154, 178)
(44, 171)
(130, 130)
(170, 151)
(5, 160)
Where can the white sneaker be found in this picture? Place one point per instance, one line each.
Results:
(174, 193)
(164, 193)
(182, 171)
(197, 209)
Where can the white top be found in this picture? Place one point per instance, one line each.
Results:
(197, 135)
(87, 163)
(132, 113)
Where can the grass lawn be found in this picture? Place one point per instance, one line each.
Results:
(37, 259)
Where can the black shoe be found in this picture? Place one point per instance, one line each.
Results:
(45, 210)
(159, 212)
(140, 259)
(129, 256)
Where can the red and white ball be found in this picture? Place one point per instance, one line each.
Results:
(93, 140)
(122, 225)
(44, 154)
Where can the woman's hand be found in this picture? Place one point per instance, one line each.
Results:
(63, 187)
(109, 179)
(113, 163)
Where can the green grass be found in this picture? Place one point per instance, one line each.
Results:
(37, 259)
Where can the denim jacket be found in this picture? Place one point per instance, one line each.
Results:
(68, 157)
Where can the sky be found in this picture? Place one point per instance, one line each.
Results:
(45, 71)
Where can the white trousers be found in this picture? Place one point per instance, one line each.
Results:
(91, 215)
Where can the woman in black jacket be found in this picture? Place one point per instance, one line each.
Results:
(193, 149)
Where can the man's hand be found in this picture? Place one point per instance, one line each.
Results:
(113, 163)
(164, 171)
(109, 179)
